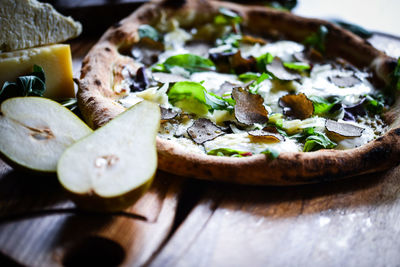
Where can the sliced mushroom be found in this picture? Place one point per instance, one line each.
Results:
(297, 106)
(241, 65)
(204, 130)
(249, 108)
(343, 129)
(140, 80)
(268, 133)
(277, 69)
(344, 81)
(168, 114)
(253, 40)
(162, 77)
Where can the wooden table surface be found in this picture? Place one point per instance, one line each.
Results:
(188, 222)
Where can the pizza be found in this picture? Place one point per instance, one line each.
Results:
(248, 94)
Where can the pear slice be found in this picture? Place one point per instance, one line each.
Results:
(111, 168)
(35, 131)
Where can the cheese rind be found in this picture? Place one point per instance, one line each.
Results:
(54, 59)
(28, 23)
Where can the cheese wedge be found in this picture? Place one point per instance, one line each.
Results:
(54, 59)
(28, 23)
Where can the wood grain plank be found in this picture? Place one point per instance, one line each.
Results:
(347, 223)
(50, 240)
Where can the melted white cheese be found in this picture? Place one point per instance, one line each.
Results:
(319, 85)
(212, 81)
(282, 49)
(243, 142)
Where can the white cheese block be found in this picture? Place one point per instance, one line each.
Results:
(54, 59)
(28, 23)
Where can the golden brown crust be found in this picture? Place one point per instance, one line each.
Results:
(96, 99)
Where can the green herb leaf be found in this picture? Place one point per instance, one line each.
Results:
(149, 32)
(297, 66)
(271, 153)
(248, 76)
(216, 102)
(313, 140)
(317, 40)
(33, 84)
(189, 62)
(194, 98)
(227, 17)
(263, 61)
(322, 106)
(231, 39)
(228, 152)
(374, 103)
(255, 86)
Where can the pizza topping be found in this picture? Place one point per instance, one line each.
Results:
(240, 64)
(204, 130)
(162, 77)
(329, 107)
(343, 129)
(344, 81)
(244, 79)
(317, 40)
(229, 152)
(168, 113)
(249, 108)
(192, 97)
(222, 61)
(297, 106)
(297, 66)
(140, 81)
(147, 31)
(313, 140)
(189, 62)
(278, 71)
(267, 133)
(270, 153)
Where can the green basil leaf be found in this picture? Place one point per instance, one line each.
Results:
(271, 153)
(248, 76)
(317, 141)
(231, 39)
(323, 106)
(194, 98)
(317, 40)
(263, 61)
(189, 62)
(149, 32)
(313, 140)
(216, 102)
(297, 66)
(374, 103)
(28, 85)
(255, 86)
(228, 152)
(227, 17)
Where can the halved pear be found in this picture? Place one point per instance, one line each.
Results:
(35, 131)
(111, 168)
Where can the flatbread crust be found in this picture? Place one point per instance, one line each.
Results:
(97, 103)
